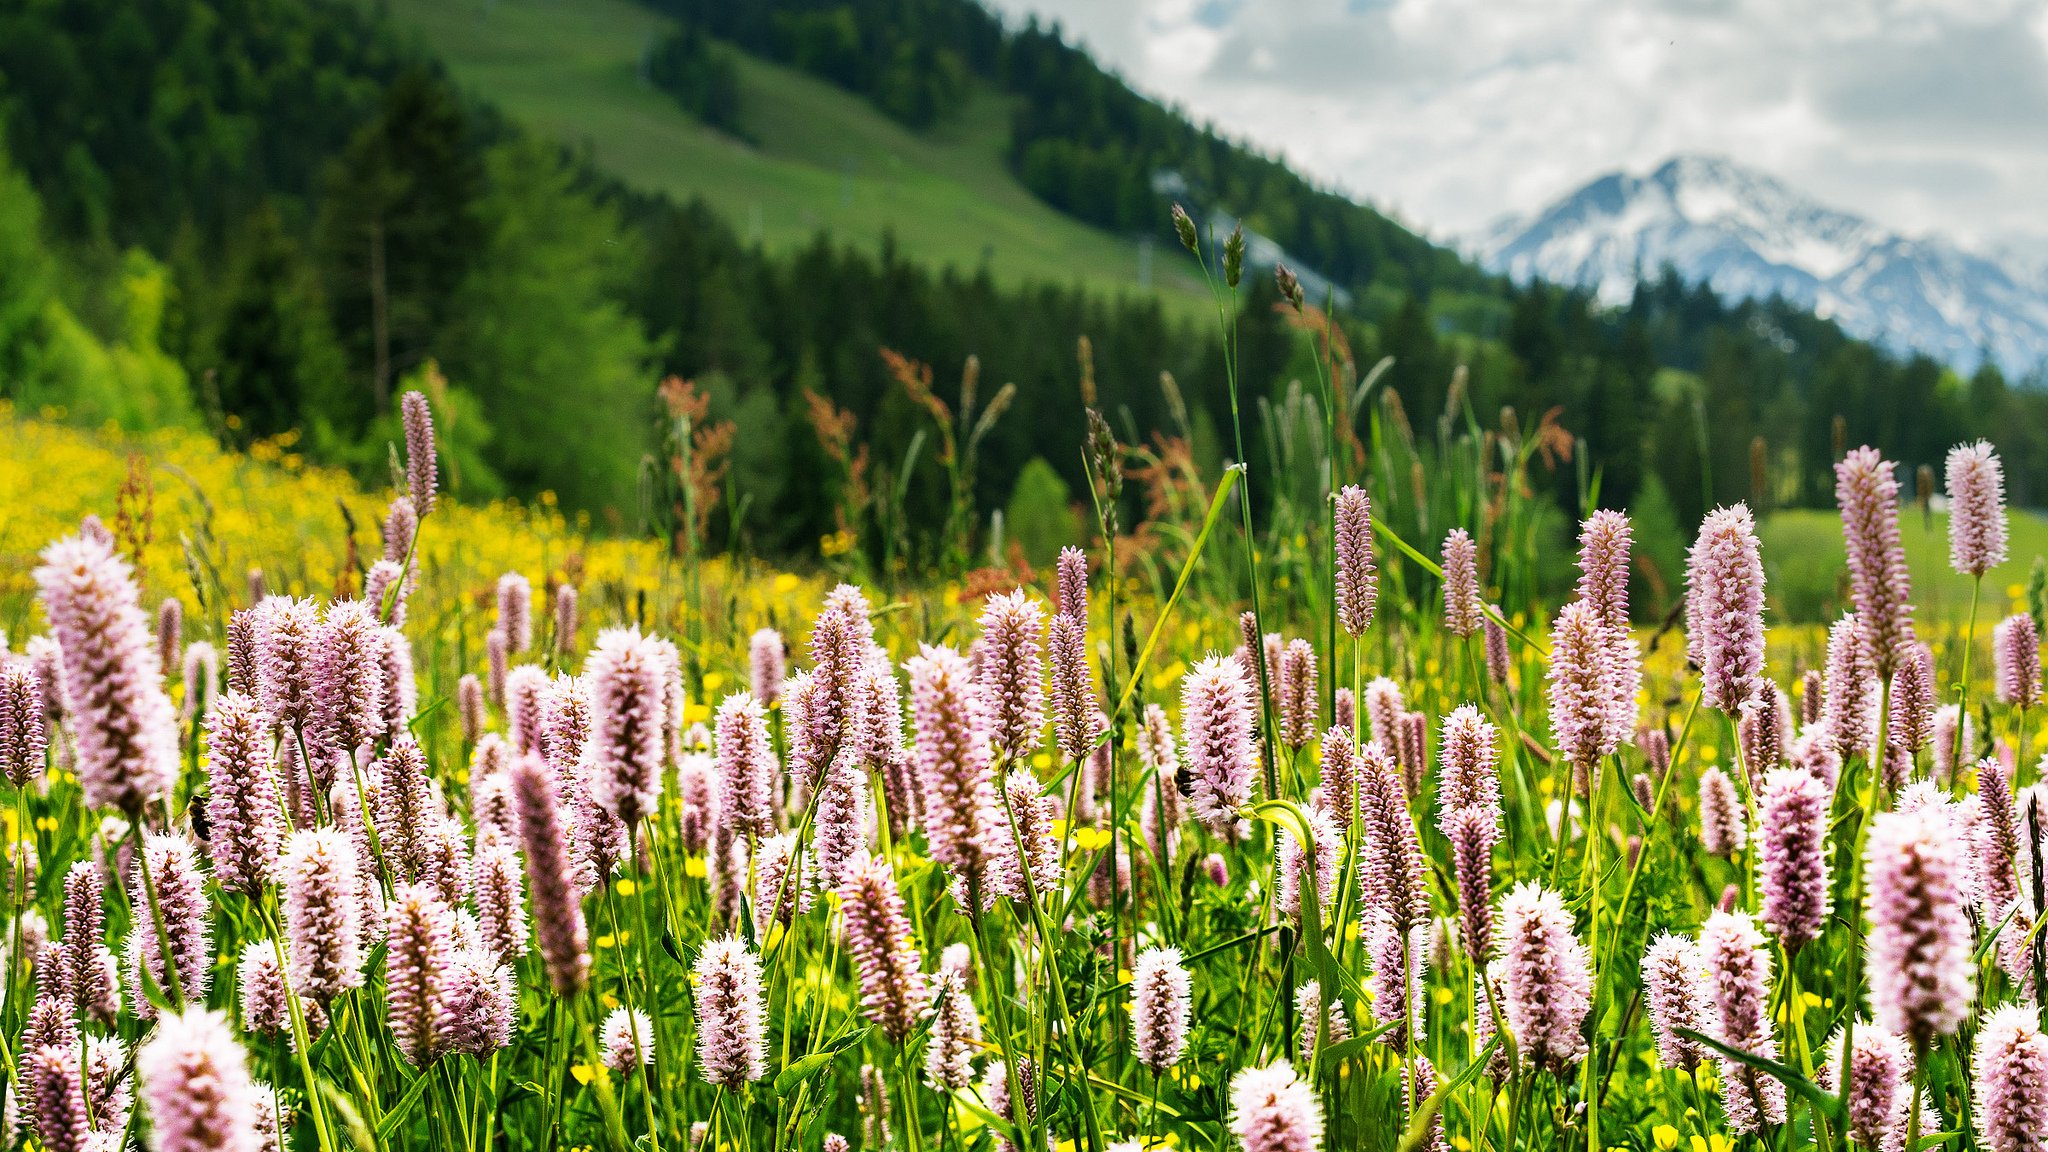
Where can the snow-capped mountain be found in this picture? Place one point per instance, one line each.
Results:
(1749, 236)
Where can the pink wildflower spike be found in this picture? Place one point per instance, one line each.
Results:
(515, 612)
(501, 901)
(1997, 844)
(565, 621)
(401, 689)
(348, 710)
(1462, 607)
(323, 906)
(831, 710)
(1976, 509)
(1294, 865)
(766, 665)
(845, 819)
(2018, 651)
(419, 934)
(1393, 872)
(893, 991)
(1764, 729)
(781, 890)
(1357, 584)
(1604, 542)
(1420, 1081)
(401, 524)
(627, 684)
(628, 1040)
(526, 692)
(557, 911)
(1946, 740)
(478, 1003)
(197, 1084)
(1868, 492)
(1849, 706)
(1472, 833)
(1012, 673)
(1471, 757)
(1033, 813)
(1545, 977)
(1497, 659)
(170, 632)
(469, 706)
(1675, 983)
(746, 764)
(699, 803)
(243, 627)
(497, 659)
(1723, 827)
(1316, 1019)
(421, 481)
(1299, 711)
(24, 742)
(1338, 773)
(261, 984)
(1792, 855)
(243, 809)
(1879, 1063)
(406, 810)
(955, 1034)
(1073, 687)
(1344, 710)
(1912, 701)
(1738, 965)
(1583, 686)
(1724, 607)
(1216, 729)
(1655, 744)
(1384, 708)
(383, 591)
(1160, 997)
(201, 676)
(52, 1082)
(124, 731)
(1272, 1110)
(1920, 965)
(181, 896)
(872, 1101)
(883, 750)
(964, 823)
(2011, 1073)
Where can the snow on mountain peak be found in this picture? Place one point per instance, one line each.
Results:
(1749, 235)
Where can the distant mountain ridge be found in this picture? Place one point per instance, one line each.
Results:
(1748, 235)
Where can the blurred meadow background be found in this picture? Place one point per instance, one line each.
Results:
(829, 574)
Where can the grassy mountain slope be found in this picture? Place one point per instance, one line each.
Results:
(825, 158)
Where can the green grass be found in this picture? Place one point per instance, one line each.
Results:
(824, 160)
(1806, 580)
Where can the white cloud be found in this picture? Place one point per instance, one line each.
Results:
(1927, 115)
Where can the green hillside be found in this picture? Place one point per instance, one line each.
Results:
(823, 158)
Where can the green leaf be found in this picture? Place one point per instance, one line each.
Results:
(808, 1066)
(1346, 1049)
(1820, 1098)
(343, 1109)
(391, 1120)
(152, 992)
(996, 1123)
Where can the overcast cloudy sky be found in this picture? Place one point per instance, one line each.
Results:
(1926, 115)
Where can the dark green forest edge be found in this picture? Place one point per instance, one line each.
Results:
(259, 216)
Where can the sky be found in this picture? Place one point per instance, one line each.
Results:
(1928, 116)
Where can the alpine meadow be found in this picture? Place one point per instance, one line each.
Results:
(544, 607)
